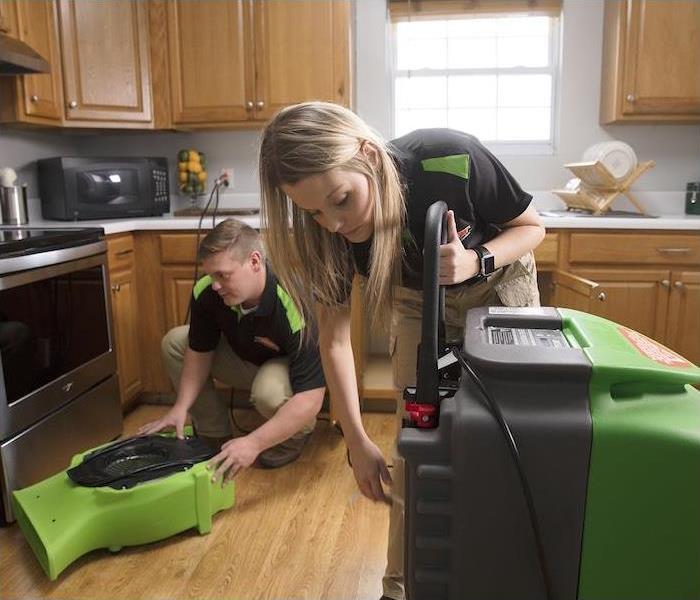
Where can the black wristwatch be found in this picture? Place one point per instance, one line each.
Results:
(487, 261)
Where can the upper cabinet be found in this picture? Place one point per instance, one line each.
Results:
(8, 18)
(185, 64)
(210, 60)
(33, 99)
(99, 57)
(302, 52)
(245, 60)
(651, 61)
(106, 72)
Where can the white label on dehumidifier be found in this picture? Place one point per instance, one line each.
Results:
(516, 310)
(514, 336)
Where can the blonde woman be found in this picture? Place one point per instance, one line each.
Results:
(357, 204)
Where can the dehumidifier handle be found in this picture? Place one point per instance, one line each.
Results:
(433, 322)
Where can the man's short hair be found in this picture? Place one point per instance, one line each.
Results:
(233, 236)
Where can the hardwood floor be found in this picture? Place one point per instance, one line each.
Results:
(300, 532)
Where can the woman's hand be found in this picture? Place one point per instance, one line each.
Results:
(457, 264)
(370, 470)
(235, 455)
(174, 418)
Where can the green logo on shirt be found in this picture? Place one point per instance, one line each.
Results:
(456, 164)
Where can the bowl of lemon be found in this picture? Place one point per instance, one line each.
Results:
(192, 172)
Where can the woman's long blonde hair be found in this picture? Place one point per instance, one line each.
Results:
(312, 263)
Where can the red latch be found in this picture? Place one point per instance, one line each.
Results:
(422, 415)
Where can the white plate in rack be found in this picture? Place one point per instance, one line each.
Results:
(619, 158)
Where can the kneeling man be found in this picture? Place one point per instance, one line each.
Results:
(246, 332)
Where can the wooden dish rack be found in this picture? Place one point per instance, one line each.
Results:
(599, 188)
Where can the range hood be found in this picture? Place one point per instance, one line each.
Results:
(17, 58)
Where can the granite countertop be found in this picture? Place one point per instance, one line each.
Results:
(674, 222)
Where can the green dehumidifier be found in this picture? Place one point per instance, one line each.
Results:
(557, 458)
(134, 491)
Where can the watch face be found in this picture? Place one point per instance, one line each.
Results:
(488, 264)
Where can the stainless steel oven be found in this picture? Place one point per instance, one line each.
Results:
(58, 386)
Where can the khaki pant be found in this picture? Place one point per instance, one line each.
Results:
(269, 384)
(514, 286)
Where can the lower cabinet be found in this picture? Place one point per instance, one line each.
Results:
(649, 282)
(125, 316)
(611, 275)
(683, 317)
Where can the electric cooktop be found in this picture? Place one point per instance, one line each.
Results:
(19, 241)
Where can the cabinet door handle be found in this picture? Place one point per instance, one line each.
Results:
(673, 250)
(34, 98)
(115, 287)
(259, 105)
(249, 106)
(666, 283)
(602, 296)
(123, 252)
(72, 104)
(679, 285)
(631, 98)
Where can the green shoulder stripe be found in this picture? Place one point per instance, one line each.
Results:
(295, 321)
(201, 285)
(457, 164)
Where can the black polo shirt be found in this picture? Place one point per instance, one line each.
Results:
(448, 165)
(276, 318)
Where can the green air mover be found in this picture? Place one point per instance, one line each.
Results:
(560, 461)
(131, 492)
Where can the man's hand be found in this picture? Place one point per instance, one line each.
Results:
(457, 264)
(370, 470)
(174, 418)
(235, 455)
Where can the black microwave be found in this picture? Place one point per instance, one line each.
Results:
(77, 189)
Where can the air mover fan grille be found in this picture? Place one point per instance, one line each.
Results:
(132, 461)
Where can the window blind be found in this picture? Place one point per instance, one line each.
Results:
(401, 10)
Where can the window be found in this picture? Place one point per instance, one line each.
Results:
(493, 77)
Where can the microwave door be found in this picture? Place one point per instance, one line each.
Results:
(109, 191)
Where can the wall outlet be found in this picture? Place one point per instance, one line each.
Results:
(228, 172)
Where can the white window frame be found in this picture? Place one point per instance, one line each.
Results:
(503, 148)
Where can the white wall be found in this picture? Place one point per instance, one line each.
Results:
(675, 148)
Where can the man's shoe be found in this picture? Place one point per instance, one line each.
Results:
(284, 452)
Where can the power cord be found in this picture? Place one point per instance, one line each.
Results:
(222, 180)
(524, 483)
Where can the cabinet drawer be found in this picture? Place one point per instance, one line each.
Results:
(623, 248)
(178, 248)
(120, 252)
(547, 253)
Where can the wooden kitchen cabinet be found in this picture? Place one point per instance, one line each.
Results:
(637, 299)
(33, 99)
(177, 287)
(99, 57)
(106, 70)
(649, 282)
(125, 316)
(683, 325)
(651, 61)
(8, 18)
(237, 62)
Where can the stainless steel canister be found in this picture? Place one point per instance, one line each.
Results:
(13, 205)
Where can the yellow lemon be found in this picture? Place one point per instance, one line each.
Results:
(183, 176)
(194, 155)
(202, 176)
(194, 166)
(182, 166)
